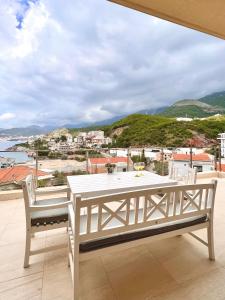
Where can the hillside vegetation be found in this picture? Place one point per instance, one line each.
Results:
(196, 108)
(215, 99)
(145, 130)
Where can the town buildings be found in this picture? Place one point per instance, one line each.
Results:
(6, 162)
(91, 139)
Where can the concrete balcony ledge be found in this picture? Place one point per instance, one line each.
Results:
(18, 194)
(210, 175)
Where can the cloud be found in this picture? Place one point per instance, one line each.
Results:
(7, 116)
(85, 61)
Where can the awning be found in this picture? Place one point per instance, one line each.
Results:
(207, 16)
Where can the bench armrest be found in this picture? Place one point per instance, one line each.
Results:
(40, 192)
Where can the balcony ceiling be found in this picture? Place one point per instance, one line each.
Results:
(207, 16)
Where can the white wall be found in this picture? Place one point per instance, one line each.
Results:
(206, 166)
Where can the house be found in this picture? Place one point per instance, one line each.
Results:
(6, 162)
(164, 155)
(97, 165)
(187, 150)
(69, 138)
(203, 162)
(222, 143)
(11, 178)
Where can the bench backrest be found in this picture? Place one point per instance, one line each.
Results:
(118, 213)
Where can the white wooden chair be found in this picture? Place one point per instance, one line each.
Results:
(42, 215)
(184, 175)
(108, 225)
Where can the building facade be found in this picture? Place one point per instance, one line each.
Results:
(221, 138)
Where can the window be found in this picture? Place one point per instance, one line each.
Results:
(199, 168)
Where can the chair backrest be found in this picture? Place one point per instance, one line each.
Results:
(186, 175)
(114, 214)
(29, 190)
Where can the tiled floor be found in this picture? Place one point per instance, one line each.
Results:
(176, 268)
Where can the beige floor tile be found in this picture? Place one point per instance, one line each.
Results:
(92, 275)
(208, 287)
(140, 278)
(13, 233)
(57, 283)
(11, 262)
(57, 238)
(185, 263)
(22, 288)
(102, 293)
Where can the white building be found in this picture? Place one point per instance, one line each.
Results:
(181, 119)
(151, 153)
(202, 162)
(69, 138)
(6, 162)
(92, 138)
(99, 134)
(222, 143)
(186, 150)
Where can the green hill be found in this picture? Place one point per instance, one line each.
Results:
(146, 130)
(216, 99)
(195, 108)
(190, 111)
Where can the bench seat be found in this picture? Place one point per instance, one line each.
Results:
(136, 235)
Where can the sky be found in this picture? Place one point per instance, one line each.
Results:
(71, 62)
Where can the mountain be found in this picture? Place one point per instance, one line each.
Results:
(215, 99)
(148, 130)
(153, 111)
(204, 107)
(109, 121)
(26, 131)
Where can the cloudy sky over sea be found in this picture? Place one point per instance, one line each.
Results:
(85, 61)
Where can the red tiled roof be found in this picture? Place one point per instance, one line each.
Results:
(18, 173)
(106, 160)
(195, 157)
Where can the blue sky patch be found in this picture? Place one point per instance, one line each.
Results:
(25, 5)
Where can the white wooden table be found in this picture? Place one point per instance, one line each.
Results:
(103, 184)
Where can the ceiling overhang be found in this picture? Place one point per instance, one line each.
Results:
(207, 16)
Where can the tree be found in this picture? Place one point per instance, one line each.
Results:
(63, 138)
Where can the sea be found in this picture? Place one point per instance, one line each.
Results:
(20, 157)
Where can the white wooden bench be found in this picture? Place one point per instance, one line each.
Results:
(109, 223)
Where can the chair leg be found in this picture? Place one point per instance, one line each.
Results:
(27, 249)
(76, 277)
(211, 241)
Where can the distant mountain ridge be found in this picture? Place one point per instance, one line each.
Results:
(200, 108)
(26, 131)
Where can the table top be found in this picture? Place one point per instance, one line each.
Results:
(93, 185)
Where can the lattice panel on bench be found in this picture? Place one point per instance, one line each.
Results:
(145, 208)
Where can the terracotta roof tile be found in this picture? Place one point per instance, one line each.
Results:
(17, 174)
(195, 157)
